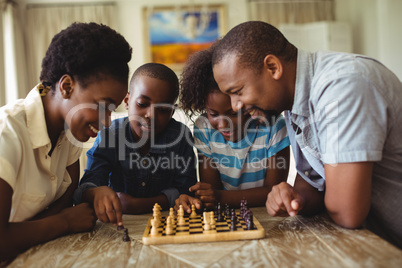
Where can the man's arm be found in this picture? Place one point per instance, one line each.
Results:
(348, 192)
(302, 198)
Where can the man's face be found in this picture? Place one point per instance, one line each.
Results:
(256, 93)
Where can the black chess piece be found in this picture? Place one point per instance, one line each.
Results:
(227, 211)
(249, 220)
(126, 238)
(120, 227)
(233, 222)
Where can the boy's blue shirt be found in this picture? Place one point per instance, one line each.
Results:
(115, 161)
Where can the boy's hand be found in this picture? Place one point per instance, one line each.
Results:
(107, 205)
(205, 193)
(186, 201)
(283, 200)
(80, 218)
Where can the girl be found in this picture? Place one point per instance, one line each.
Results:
(239, 158)
(84, 74)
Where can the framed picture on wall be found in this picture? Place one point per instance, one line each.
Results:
(173, 33)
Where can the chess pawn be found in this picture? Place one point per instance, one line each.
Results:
(126, 237)
(169, 226)
(171, 214)
(180, 216)
(193, 213)
(212, 219)
(154, 227)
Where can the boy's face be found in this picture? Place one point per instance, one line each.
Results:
(150, 106)
(260, 95)
(222, 117)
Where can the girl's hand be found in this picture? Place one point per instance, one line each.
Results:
(205, 193)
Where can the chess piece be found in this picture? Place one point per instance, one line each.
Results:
(169, 226)
(249, 220)
(212, 220)
(193, 213)
(126, 237)
(207, 225)
(233, 217)
(227, 211)
(171, 214)
(120, 227)
(180, 216)
(154, 227)
(233, 224)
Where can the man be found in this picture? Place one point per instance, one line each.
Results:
(343, 114)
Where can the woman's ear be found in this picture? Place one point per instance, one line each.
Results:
(274, 66)
(126, 100)
(66, 86)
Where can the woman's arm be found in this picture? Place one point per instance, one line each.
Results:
(66, 200)
(19, 236)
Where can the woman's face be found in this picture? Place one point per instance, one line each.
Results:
(88, 110)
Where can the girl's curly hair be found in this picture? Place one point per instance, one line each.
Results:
(196, 82)
(84, 51)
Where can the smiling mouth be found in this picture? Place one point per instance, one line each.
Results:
(226, 133)
(145, 126)
(93, 129)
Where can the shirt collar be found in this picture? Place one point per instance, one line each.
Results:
(160, 140)
(304, 77)
(36, 122)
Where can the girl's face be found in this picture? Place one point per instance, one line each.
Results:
(222, 117)
(150, 106)
(88, 109)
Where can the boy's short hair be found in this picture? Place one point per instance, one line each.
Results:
(251, 41)
(157, 71)
(85, 51)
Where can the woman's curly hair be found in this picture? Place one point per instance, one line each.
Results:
(196, 82)
(84, 51)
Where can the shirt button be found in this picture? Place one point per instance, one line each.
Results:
(143, 183)
(306, 173)
(144, 162)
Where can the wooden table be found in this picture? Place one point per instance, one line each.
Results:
(289, 242)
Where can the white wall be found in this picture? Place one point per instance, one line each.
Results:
(130, 18)
(376, 28)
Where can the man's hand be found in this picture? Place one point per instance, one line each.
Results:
(283, 200)
(186, 201)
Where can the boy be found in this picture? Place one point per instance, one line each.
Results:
(145, 158)
(344, 120)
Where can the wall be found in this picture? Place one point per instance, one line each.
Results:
(130, 18)
(376, 28)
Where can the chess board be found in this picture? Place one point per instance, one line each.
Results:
(193, 231)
